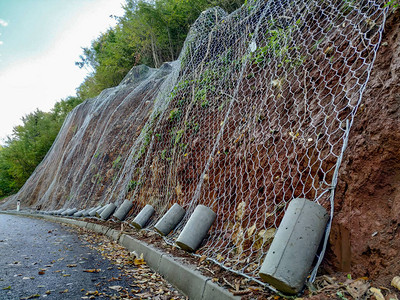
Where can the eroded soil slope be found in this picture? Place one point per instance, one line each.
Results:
(365, 240)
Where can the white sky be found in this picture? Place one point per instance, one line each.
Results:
(39, 70)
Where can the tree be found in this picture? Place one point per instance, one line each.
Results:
(29, 143)
(149, 32)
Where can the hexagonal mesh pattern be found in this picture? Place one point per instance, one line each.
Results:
(259, 114)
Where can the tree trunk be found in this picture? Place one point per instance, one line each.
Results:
(154, 51)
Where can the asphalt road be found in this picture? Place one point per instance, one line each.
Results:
(40, 259)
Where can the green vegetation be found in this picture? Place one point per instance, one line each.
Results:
(29, 143)
(149, 32)
(393, 4)
(117, 163)
(278, 46)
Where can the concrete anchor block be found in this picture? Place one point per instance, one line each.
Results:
(71, 212)
(87, 213)
(143, 217)
(108, 210)
(66, 212)
(79, 213)
(60, 211)
(123, 210)
(93, 211)
(169, 221)
(291, 254)
(196, 228)
(100, 211)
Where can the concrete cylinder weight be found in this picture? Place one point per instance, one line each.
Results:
(58, 212)
(143, 217)
(100, 210)
(65, 212)
(71, 212)
(107, 212)
(79, 213)
(169, 221)
(123, 210)
(291, 254)
(196, 228)
(93, 211)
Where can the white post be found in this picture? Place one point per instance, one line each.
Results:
(18, 205)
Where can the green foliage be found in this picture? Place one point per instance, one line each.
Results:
(149, 32)
(178, 136)
(117, 163)
(29, 143)
(278, 46)
(132, 185)
(174, 114)
(392, 3)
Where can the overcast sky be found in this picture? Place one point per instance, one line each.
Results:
(40, 40)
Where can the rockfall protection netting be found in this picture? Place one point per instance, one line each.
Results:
(256, 112)
(260, 115)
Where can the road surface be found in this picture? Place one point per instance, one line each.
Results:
(44, 260)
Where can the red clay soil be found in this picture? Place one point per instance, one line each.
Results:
(365, 239)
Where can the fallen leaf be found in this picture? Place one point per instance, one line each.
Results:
(31, 297)
(139, 261)
(47, 292)
(357, 288)
(71, 266)
(92, 293)
(66, 275)
(64, 291)
(220, 257)
(92, 270)
(202, 258)
(41, 272)
(251, 230)
(7, 288)
(214, 280)
(396, 282)
(116, 288)
(377, 293)
(144, 295)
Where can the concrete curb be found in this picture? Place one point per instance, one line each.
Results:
(182, 276)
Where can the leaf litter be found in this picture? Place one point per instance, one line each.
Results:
(143, 283)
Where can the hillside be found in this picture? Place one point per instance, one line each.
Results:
(257, 110)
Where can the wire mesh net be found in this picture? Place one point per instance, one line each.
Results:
(256, 112)
(259, 115)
